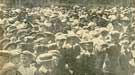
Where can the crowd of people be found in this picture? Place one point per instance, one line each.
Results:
(60, 40)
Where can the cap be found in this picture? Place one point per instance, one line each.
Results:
(124, 42)
(60, 36)
(5, 40)
(15, 52)
(21, 32)
(11, 20)
(10, 45)
(33, 33)
(18, 10)
(46, 57)
(28, 39)
(104, 30)
(105, 44)
(48, 33)
(115, 33)
(123, 36)
(54, 52)
(11, 28)
(39, 40)
(41, 48)
(73, 36)
(52, 46)
(112, 48)
(86, 42)
(27, 53)
(40, 35)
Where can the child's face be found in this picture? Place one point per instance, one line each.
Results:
(88, 47)
(16, 60)
(25, 59)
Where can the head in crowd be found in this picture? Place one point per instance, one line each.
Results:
(26, 58)
(53, 37)
(87, 45)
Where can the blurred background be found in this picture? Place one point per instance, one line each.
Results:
(42, 3)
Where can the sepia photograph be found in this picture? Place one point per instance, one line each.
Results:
(67, 37)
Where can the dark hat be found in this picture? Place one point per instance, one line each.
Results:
(112, 48)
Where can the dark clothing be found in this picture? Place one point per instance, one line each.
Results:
(87, 64)
(112, 63)
(100, 57)
(68, 57)
(18, 73)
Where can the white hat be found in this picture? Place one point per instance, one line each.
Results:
(46, 57)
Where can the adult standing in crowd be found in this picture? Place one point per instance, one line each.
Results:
(74, 40)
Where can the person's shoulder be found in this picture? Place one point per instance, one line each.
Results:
(18, 73)
(9, 66)
(20, 68)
